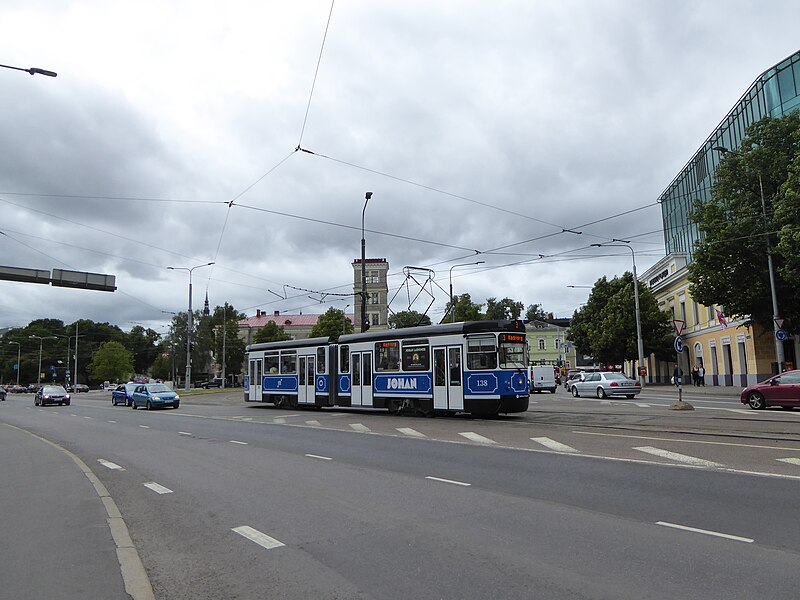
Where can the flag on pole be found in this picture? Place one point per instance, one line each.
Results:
(721, 318)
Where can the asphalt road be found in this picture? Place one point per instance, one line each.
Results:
(573, 499)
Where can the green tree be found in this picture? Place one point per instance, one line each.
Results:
(271, 332)
(331, 324)
(112, 362)
(226, 327)
(408, 318)
(465, 310)
(503, 309)
(605, 327)
(730, 261)
(162, 365)
(143, 344)
(535, 312)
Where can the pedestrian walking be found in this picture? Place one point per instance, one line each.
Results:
(701, 375)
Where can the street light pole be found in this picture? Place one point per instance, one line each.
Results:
(344, 320)
(224, 338)
(452, 305)
(18, 358)
(41, 339)
(368, 195)
(188, 382)
(639, 343)
(779, 355)
(33, 71)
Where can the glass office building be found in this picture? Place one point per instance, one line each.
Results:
(774, 93)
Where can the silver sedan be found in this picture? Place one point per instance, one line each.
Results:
(605, 384)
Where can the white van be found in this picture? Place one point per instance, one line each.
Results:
(543, 378)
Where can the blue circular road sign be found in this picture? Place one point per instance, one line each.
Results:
(781, 335)
(678, 344)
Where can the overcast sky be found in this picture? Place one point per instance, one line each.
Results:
(478, 126)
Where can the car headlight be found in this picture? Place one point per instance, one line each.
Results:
(177, 397)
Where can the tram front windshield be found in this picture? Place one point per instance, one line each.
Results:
(512, 351)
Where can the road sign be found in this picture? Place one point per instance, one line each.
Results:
(678, 325)
(678, 344)
(779, 322)
(781, 335)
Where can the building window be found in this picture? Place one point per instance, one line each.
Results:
(696, 308)
(374, 298)
(376, 319)
(542, 344)
(557, 343)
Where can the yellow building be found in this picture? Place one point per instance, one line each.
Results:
(731, 353)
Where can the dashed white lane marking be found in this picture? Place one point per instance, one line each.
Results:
(641, 405)
(553, 445)
(319, 457)
(359, 427)
(411, 432)
(145, 426)
(689, 460)
(112, 421)
(476, 437)
(71, 415)
(254, 535)
(184, 433)
(110, 465)
(279, 421)
(605, 402)
(727, 536)
(743, 411)
(313, 423)
(157, 488)
(684, 440)
(88, 417)
(237, 442)
(791, 461)
(461, 483)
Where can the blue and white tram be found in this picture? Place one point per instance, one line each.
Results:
(477, 367)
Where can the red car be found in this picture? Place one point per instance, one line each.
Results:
(779, 390)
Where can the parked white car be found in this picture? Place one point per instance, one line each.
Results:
(605, 384)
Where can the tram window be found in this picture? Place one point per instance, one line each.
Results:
(439, 370)
(512, 351)
(344, 359)
(455, 366)
(481, 353)
(367, 358)
(356, 370)
(320, 360)
(271, 364)
(416, 356)
(387, 356)
(310, 379)
(289, 361)
(302, 371)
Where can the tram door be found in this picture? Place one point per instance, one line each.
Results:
(448, 388)
(361, 378)
(255, 379)
(305, 380)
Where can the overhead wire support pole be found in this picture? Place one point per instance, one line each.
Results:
(364, 325)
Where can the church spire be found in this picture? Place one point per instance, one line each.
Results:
(206, 310)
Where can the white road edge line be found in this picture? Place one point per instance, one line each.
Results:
(254, 535)
(727, 536)
(110, 465)
(448, 481)
(554, 445)
(319, 457)
(238, 442)
(157, 488)
(689, 460)
(476, 437)
(410, 432)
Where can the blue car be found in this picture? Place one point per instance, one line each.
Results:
(154, 395)
(123, 393)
